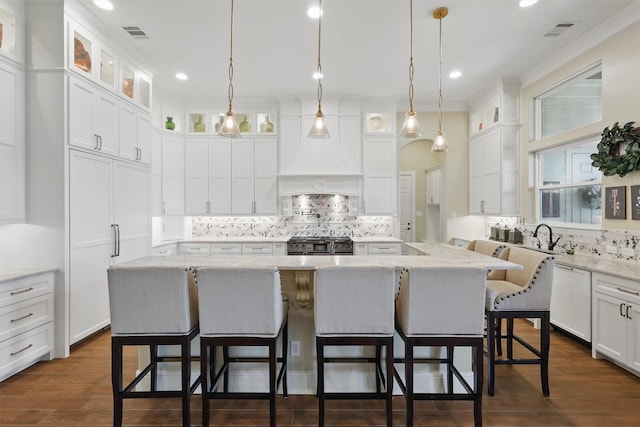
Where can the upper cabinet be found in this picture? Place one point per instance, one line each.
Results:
(497, 107)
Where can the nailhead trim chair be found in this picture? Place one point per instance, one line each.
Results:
(442, 306)
(486, 247)
(354, 307)
(152, 306)
(241, 307)
(513, 294)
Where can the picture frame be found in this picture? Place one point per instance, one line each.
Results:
(615, 202)
(635, 202)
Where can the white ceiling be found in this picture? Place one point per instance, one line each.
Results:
(365, 43)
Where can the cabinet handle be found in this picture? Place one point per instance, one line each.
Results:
(628, 315)
(164, 208)
(20, 351)
(564, 267)
(116, 240)
(628, 292)
(21, 318)
(208, 207)
(482, 206)
(97, 147)
(621, 313)
(137, 154)
(253, 207)
(22, 291)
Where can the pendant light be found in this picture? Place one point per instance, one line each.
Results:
(319, 128)
(440, 143)
(229, 126)
(411, 127)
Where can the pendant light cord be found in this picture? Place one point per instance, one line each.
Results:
(319, 66)
(411, 56)
(230, 90)
(440, 78)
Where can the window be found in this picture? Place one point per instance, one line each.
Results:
(569, 189)
(574, 103)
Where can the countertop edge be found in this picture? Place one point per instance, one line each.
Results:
(23, 273)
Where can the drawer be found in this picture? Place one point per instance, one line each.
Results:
(165, 250)
(384, 249)
(25, 349)
(618, 287)
(279, 248)
(226, 248)
(195, 248)
(24, 289)
(257, 248)
(23, 316)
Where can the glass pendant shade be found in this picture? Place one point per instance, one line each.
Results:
(411, 126)
(230, 127)
(319, 128)
(440, 143)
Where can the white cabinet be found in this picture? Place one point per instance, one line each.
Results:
(168, 249)
(493, 172)
(172, 175)
(380, 170)
(134, 134)
(434, 178)
(257, 249)
(195, 248)
(616, 320)
(109, 211)
(377, 248)
(12, 144)
(207, 177)
(93, 117)
(253, 176)
(156, 173)
(26, 322)
(571, 301)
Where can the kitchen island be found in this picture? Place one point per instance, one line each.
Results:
(297, 283)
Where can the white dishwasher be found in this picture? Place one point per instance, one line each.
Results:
(571, 301)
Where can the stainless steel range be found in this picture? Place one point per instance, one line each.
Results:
(320, 246)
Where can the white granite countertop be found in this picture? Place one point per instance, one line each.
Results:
(21, 273)
(379, 239)
(440, 254)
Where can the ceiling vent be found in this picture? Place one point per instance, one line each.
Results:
(135, 32)
(560, 28)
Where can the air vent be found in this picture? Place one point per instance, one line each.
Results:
(135, 32)
(560, 28)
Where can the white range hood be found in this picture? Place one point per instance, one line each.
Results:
(341, 184)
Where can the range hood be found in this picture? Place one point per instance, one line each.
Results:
(342, 184)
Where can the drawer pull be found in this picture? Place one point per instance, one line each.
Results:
(20, 351)
(628, 315)
(564, 267)
(22, 291)
(21, 318)
(621, 307)
(628, 292)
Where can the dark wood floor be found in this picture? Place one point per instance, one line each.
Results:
(77, 392)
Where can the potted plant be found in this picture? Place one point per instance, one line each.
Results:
(618, 150)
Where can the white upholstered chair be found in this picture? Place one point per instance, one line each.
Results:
(442, 306)
(241, 307)
(152, 306)
(486, 247)
(513, 294)
(354, 306)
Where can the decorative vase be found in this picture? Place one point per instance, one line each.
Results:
(266, 126)
(218, 125)
(199, 126)
(244, 125)
(169, 124)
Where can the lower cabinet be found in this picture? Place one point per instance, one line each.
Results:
(377, 248)
(26, 322)
(616, 320)
(571, 301)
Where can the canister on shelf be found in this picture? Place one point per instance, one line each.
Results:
(503, 234)
(515, 236)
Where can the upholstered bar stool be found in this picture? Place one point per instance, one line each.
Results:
(486, 247)
(442, 306)
(513, 294)
(152, 306)
(354, 307)
(241, 307)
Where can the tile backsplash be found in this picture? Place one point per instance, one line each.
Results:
(313, 215)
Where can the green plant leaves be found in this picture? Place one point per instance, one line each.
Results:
(610, 159)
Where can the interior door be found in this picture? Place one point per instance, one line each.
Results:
(407, 206)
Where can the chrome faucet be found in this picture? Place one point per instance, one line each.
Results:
(551, 244)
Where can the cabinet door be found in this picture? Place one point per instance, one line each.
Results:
(433, 186)
(91, 243)
(82, 106)
(634, 337)
(106, 122)
(156, 174)
(12, 145)
(196, 177)
(476, 196)
(610, 326)
(492, 194)
(143, 129)
(131, 210)
(571, 301)
(380, 171)
(127, 134)
(220, 176)
(242, 183)
(265, 169)
(172, 176)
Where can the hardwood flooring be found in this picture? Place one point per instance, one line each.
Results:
(77, 392)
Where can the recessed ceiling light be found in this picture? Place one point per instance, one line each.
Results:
(181, 76)
(314, 12)
(527, 3)
(455, 74)
(103, 4)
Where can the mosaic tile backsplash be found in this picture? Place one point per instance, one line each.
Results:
(314, 215)
(624, 244)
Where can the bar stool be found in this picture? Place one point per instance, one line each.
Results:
(513, 294)
(152, 306)
(241, 307)
(486, 247)
(354, 307)
(442, 306)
